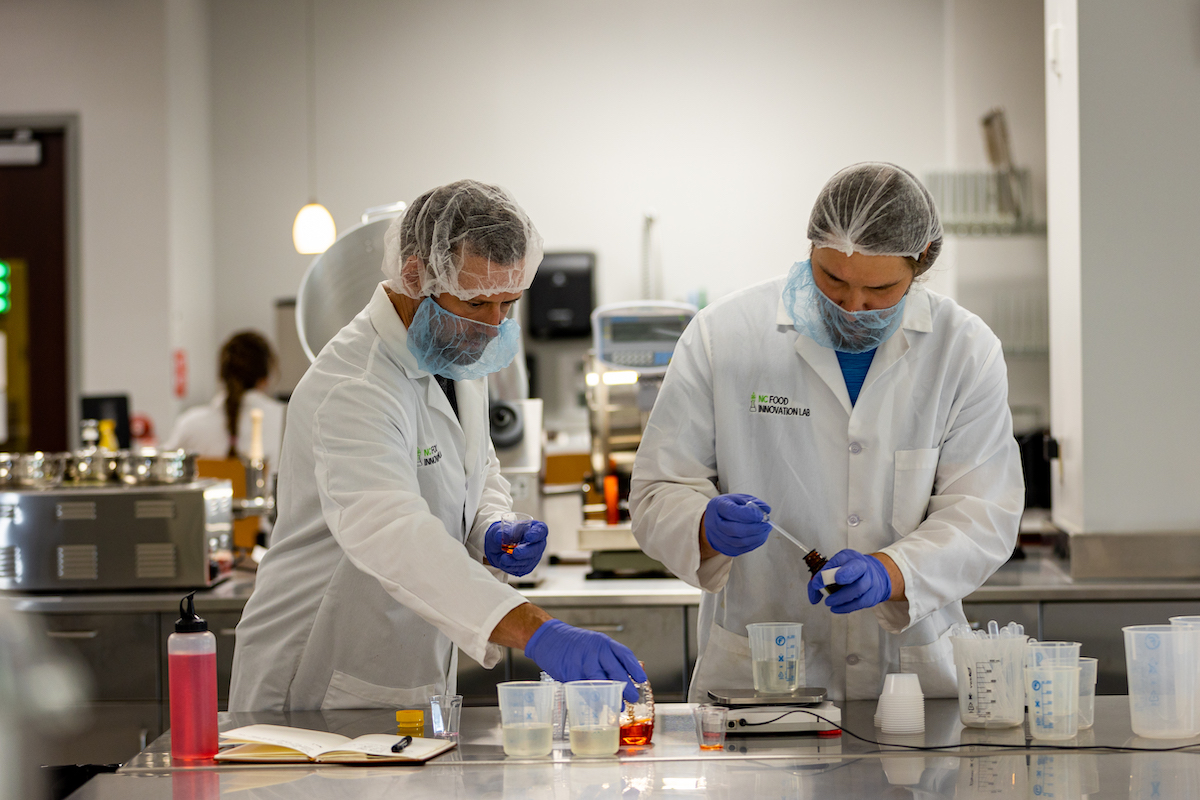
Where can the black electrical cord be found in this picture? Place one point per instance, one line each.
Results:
(1096, 748)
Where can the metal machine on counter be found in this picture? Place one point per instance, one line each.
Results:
(632, 346)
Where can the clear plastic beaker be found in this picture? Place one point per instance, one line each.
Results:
(777, 654)
(1087, 692)
(1161, 664)
(1052, 689)
(526, 719)
(991, 680)
(594, 717)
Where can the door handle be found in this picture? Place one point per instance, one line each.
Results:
(605, 627)
(72, 634)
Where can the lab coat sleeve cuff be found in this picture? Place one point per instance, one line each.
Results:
(714, 573)
(896, 616)
(486, 652)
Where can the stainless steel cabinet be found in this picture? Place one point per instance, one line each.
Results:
(120, 651)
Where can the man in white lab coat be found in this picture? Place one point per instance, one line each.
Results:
(389, 553)
(869, 416)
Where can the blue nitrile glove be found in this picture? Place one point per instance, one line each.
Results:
(530, 536)
(863, 580)
(734, 526)
(576, 654)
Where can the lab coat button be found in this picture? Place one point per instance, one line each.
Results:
(855, 448)
(852, 659)
(853, 519)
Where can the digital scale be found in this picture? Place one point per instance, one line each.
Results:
(639, 336)
(802, 712)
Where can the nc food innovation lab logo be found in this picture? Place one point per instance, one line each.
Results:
(428, 456)
(775, 404)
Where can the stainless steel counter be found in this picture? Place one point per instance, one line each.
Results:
(1041, 577)
(674, 767)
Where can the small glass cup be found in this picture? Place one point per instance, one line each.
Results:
(710, 726)
(445, 711)
(514, 530)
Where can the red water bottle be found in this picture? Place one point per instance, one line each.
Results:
(192, 669)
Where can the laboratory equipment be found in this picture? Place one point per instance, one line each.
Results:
(777, 656)
(753, 713)
(1087, 692)
(593, 717)
(114, 536)
(637, 718)
(192, 674)
(991, 679)
(526, 717)
(710, 726)
(812, 559)
(445, 710)
(631, 349)
(1161, 664)
(901, 707)
(1052, 689)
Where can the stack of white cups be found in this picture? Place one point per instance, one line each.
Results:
(901, 706)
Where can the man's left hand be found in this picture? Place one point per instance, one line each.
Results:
(525, 540)
(863, 582)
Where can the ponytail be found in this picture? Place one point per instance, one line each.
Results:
(246, 359)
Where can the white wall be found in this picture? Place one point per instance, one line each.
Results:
(105, 63)
(189, 195)
(1124, 267)
(724, 118)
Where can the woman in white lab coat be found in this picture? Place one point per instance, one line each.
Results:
(222, 428)
(870, 416)
(389, 554)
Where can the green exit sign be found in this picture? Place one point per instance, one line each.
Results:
(5, 287)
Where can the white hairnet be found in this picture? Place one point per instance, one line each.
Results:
(425, 247)
(877, 209)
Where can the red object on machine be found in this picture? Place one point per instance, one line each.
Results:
(610, 499)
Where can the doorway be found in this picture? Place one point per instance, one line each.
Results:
(33, 241)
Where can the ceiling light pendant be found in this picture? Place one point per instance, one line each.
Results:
(313, 231)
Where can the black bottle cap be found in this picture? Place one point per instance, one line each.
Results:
(188, 622)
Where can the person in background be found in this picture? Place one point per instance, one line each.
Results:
(390, 552)
(222, 429)
(871, 417)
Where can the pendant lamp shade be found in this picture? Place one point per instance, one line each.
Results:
(313, 231)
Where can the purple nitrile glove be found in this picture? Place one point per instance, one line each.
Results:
(735, 523)
(529, 536)
(863, 580)
(577, 654)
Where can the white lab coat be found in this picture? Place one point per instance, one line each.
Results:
(202, 429)
(374, 574)
(924, 467)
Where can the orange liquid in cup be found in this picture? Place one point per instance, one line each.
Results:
(637, 732)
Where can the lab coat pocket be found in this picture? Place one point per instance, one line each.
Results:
(724, 664)
(346, 691)
(933, 664)
(912, 487)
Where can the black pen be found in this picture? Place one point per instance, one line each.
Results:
(404, 742)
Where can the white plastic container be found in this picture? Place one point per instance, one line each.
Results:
(1161, 665)
(991, 681)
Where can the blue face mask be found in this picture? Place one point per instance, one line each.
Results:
(822, 320)
(459, 348)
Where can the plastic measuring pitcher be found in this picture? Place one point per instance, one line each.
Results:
(1161, 663)
(777, 653)
(526, 720)
(991, 681)
(1052, 689)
